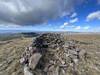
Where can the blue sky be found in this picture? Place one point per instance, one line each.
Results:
(85, 17)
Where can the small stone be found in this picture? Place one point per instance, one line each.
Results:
(62, 62)
(62, 71)
(30, 48)
(22, 60)
(75, 61)
(82, 52)
(26, 71)
(57, 71)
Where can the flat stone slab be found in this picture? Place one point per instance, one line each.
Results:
(34, 59)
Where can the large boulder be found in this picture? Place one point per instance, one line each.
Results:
(34, 59)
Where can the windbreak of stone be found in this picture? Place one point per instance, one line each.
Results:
(51, 54)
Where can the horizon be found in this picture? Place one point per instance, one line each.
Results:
(29, 31)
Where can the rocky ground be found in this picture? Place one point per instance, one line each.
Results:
(51, 54)
(10, 54)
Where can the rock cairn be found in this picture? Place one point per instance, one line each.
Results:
(51, 54)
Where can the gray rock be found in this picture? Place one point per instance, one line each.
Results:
(26, 71)
(34, 59)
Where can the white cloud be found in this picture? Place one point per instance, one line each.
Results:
(78, 27)
(93, 16)
(68, 24)
(73, 15)
(82, 28)
(86, 27)
(73, 20)
(64, 25)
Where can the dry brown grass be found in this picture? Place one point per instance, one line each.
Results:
(91, 43)
(10, 54)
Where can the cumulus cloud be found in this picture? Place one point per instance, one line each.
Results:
(93, 16)
(30, 12)
(64, 25)
(74, 20)
(73, 15)
(68, 24)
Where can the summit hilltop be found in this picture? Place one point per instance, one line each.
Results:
(51, 54)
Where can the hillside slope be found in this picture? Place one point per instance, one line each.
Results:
(10, 54)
